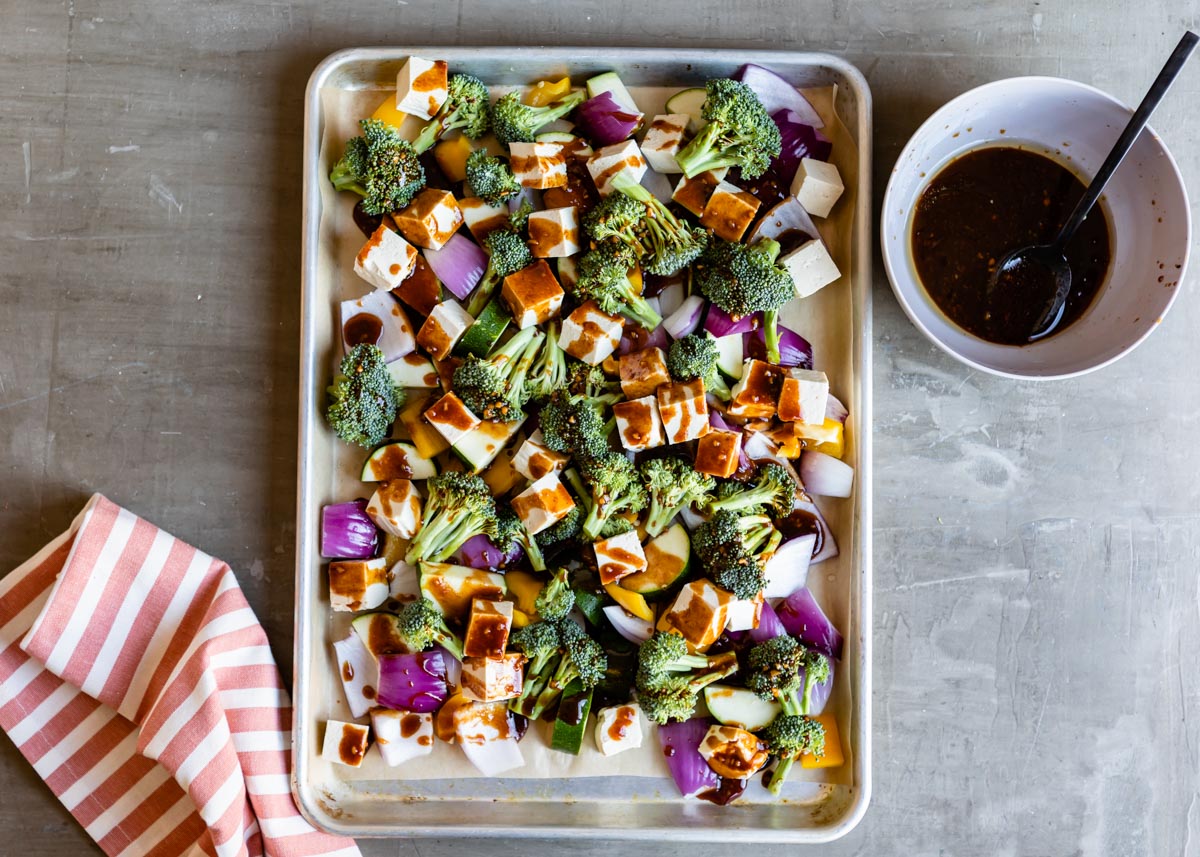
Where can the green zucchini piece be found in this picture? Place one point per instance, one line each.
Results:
(668, 563)
(482, 335)
(689, 102)
(591, 606)
(570, 726)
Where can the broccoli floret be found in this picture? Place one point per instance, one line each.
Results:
(670, 244)
(465, 107)
(548, 372)
(556, 599)
(571, 426)
(565, 529)
(458, 506)
(739, 133)
(669, 679)
(511, 531)
(743, 279)
(589, 382)
(514, 122)
(734, 549)
(787, 737)
(615, 526)
(381, 167)
(772, 487)
(508, 252)
(490, 178)
(518, 221)
(618, 217)
(672, 485)
(782, 669)
(363, 400)
(603, 276)
(615, 487)
(421, 625)
(583, 658)
(493, 388)
(695, 357)
(541, 644)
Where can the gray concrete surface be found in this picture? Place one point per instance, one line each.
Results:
(1036, 562)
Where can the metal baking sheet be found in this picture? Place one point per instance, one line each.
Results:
(611, 807)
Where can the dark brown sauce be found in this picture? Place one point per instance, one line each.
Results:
(368, 692)
(350, 748)
(990, 202)
(801, 523)
(572, 710)
(348, 671)
(368, 223)
(409, 725)
(362, 328)
(725, 793)
(619, 728)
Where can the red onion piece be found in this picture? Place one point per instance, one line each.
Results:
(777, 94)
(768, 625)
(481, 552)
(686, 318)
(835, 410)
(414, 681)
(807, 622)
(459, 264)
(794, 349)
(347, 532)
(603, 121)
(681, 746)
(825, 475)
(719, 324)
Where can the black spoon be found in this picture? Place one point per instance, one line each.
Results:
(1047, 263)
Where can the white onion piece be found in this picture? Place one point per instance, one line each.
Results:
(829, 548)
(686, 319)
(787, 569)
(670, 298)
(785, 216)
(775, 94)
(658, 185)
(493, 757)
(404, 585)
(835, 410)
(633, 629)
(691, 518)
(358, 669)
(825, 475)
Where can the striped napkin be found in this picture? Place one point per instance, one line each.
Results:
(136, 680)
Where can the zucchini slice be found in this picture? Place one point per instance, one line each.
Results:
(668, 561)
(689, 102)
(737, 706)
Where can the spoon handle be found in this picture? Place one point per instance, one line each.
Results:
(1136, 123)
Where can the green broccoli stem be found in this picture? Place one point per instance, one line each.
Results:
(468, 526)
(597, 516)
(431, 535)
(791, 702)
(344, 178)
(760, 495)
(771, 335)
(449, 642)
(533, 553)
(576, 482)
(782, 768)
(528, 703)
(639, 310)
(700, 154)
(687, 663)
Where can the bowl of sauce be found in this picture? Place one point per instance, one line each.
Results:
(1001, 167)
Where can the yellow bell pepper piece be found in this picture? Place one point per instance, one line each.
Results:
(832, 757)
(521, 618)
(631, 601)
(387, 112)
(829, 437)
(500, 475)
(635, 279)
(452, 157)
(548, 91)
(428, 440)
(524, 588)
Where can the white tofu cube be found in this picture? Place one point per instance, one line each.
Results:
(538, 165)
(345, 743)
(618, 556)
(451, 418)
(804, 396)
(385, 260)
(590, 334)
(663, 140)
(493, 679)
(443, 328)
(395, 508)
(482, 218)
(543, 504)
(402, 736)
(733, 752)
(756, 393)
(619, 728)
(554, 232)
(359, 669)
(811, 267)
(488, 737)
(357, 584)
(638, 423)
(430, 219)
(533, 460)
(533, 294)
(606, 163)
(744, 614)
(683, 410)
(699, 614)
(421, 86)
(817, 185)
(377, 318)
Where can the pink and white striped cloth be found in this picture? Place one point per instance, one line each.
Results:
(137, 681)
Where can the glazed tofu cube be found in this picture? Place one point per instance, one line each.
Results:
(443, 328)
(643, 372)
(606, 163)
(482, 218)
(811, 267)
(421, 87)
(421, 290)
(729, 211)
(683, 411)
(817, 186)
(744, 614)
(803, 396)
(538, 165)
(493, 679)
(534, 459)
(533, 294)
(733, 752)
(717, 453)
(487, 628)
(385, 260)
(451, 418)
(693, 194)
(377, 319)
(619, 556)
(699, 614)
(357, 584)
(638, 423)
(590, 334)
(543, 504)
(402, 736)
(430, 219)
(757, 391)
(395, 508)
(618, 728)
(345, 743)
(554, 233)
(663, 140)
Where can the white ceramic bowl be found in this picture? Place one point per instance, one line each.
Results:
(1146, 203)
